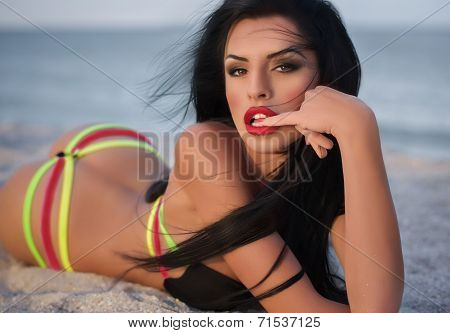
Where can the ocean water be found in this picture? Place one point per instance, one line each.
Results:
(100, 76)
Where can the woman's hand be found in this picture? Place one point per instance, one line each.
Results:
(324, 110)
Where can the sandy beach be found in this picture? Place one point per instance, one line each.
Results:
(421, 192)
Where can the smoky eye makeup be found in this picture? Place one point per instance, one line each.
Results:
(289, 64)
(291, 58)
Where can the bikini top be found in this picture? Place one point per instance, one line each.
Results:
(201, 286)
(205, 288)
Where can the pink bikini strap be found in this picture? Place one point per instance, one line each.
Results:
(53, 183)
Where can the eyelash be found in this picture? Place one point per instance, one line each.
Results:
(293, 67)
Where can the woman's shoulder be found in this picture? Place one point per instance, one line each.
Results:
(210, 125)
(208, 165)
(209, 144)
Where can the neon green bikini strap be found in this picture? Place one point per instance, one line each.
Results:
(169, 240)
(68, 179)
(72, 143)
(63, 219)
(149, 231)
(26, 213)
(118, 143)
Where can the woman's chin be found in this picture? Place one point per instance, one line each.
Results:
(263, 146)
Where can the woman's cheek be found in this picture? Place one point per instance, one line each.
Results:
(232, 98)
(294, 93)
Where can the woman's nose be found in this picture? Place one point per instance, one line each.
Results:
(259, 87)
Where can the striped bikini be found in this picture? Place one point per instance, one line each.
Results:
(155, 222)
(81, 145)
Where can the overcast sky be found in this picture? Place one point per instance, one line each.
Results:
(144, 13)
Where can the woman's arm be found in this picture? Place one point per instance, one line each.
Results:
(213, 198)
(374, 270)
(373, 255)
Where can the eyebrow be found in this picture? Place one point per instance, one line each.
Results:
(290, 49)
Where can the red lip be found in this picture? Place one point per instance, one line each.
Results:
(259, 109)
(262, 129)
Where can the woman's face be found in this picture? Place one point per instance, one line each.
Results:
(277, 82)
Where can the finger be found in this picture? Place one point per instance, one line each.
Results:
(320, 151)
(307, 140)
(286, 118)
(316, 149)
(316, 137)
(303, 131)
(323, 152)
(321, 140)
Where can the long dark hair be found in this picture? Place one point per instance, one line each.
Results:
(321, 197)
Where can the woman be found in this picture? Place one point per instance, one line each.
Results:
(257, 187)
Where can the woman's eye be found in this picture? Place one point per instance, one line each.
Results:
(288, 68)
(233, 70)
(291, 67)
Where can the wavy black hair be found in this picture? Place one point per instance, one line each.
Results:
(321, 198)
